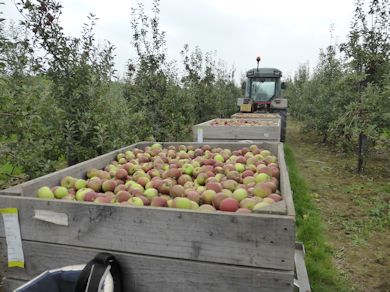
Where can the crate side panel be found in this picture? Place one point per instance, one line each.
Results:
(147, 273)
(250, 240)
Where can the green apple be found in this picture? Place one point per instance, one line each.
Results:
(248, 203)
(80, 195)
(156, 146)
(218, 157)
(265, 153)
(136, 201)
(262, 177)
(61, 192)
(129, 155)
(151, 193)
(260, 205)
(188, 169)
(80, 183)
(240, 194)
(182, 203)
(45, 193)
(239, 167)
(194, 205)
(68, 182)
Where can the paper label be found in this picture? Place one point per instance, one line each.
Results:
(52, 217)
(13, 238)
(200, 135)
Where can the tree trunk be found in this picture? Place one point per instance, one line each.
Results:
(361, 151)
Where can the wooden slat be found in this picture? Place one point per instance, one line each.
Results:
(285, 186)
(255, 116)
(147, 273)
(300, 269)
(259, 240)
(234, 133)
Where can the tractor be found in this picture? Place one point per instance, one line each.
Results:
(263, 88)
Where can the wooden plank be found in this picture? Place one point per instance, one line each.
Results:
(237, 132)
(285, 187)
(258, 240)
(300, 269)
(256, 116)
(252, 141)
(148, 273)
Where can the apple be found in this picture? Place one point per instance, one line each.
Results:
(239, 167)
(262, 177)
(248, 203)
(136, 201)
(260, 205)
(92, 173)
(193, 195)
(80, 184)
(275, 197)
(218, 199)
(109, 185)
(265, 153)
(215, 186)
(103, 199)
(150, 193)
(159, 202)
(243, 210)
(68, 182)
(45, 193)
(194, 205)
(261, 191)
(61, 192)
(229, 184)
(208, 196)
(240, 194)
(95, 183)
(218, 157)
(188, 169)
(206, 208)
(182, 203)
(122, 196)
(268, 200)
(80, 195)
(229, 205)
(90, 196)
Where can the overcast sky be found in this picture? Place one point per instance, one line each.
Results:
(284, 33)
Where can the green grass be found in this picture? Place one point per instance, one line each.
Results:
(323, 275)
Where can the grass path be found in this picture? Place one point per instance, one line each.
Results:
(343, 218)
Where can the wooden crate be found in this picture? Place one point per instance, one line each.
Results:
(255, 116)
(160, 249)
(206, 132)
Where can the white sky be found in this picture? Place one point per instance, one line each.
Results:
(284, 33)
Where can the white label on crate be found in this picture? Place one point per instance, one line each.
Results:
(52, 217)
(200, 135)
(266, 135)
(13, 238)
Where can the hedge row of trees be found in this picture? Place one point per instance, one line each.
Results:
(347, 97)
(60, 103)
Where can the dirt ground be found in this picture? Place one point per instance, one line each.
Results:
(355, 208)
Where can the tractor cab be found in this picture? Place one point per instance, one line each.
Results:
(263, 90)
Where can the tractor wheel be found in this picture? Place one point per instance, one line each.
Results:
(283, 124)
